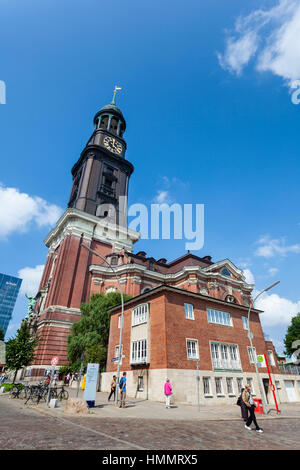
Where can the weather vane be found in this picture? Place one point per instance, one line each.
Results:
(115, 92)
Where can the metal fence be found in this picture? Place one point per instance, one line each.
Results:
(289, 369)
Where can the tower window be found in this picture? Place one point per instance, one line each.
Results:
(113, 125)
(104, 122)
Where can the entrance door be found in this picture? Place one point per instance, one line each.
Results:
(266, 387)
(290, 390)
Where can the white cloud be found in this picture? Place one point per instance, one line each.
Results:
(270, 247)
(270, 36)
(31, 279)
(248, 276)
(19, 210)
(277, 310)
(162, 197)
(273, 271)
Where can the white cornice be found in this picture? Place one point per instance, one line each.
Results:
(145, 273)
(80, 223)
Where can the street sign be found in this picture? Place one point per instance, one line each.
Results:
(54, 361)
(91, 382)
(115, 359)
(261, 360)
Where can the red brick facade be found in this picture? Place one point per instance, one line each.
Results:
(169, 330)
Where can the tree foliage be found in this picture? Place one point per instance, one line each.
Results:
(293, 334)
(20, 350)
(90, 334)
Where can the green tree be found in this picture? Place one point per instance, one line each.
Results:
(20, 350)
(90, 333)
(1, 335)
(293, 334)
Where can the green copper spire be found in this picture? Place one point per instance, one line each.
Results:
(114, 95)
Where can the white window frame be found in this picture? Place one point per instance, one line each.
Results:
(218, 317)
(245, 323)
(271, 357)
(140, 314)
(221, 393)
(225, 355)
(208, 386)
(239, 382)
(252, 354)
(250, 382)
(229, 380)
(189, 312)
(119, 321)
(138, 353)
(191, 340)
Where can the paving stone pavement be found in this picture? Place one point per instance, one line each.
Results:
(28, 428)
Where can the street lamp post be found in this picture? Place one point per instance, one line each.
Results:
(122, 316)
(250, 336)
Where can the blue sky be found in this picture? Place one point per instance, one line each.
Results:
(206, 93)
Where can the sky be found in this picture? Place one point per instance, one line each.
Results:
(210, 97)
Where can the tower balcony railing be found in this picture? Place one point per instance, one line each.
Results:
(107, 190)
(293, 369)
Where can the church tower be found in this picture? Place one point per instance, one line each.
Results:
(95, 217)
(101, 175)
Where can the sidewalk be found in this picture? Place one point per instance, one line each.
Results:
(146, 409)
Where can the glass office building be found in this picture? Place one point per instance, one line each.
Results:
(9, 289)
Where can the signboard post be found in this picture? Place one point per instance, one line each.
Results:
(54, 362)
(91, 384)
(271, 385)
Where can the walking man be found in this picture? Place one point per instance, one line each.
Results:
(122, 385)
(113, 387)
(249, 402)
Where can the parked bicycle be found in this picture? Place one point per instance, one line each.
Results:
(62, 395)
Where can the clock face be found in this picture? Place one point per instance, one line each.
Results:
(112, 145)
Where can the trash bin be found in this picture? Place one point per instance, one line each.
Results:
(259, 409)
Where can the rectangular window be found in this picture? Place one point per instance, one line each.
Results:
(245, 323)
(271, 358)
(229, 382)
(139, 351)
(250, 382)
(225, 356)
(206, 386)
(119, 321)
(239, 384)
(218, 317)
(189, 311)
(192, 349)
(118, 351)
(140, 383)
(140, 314)
(252, 355)
(219, 388)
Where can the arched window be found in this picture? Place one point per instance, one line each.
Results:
(146, 289)
(225, 272)
(113, 125)
(230, 299)
(104, 122)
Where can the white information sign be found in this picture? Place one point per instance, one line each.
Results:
(91, 382)
(260, 358)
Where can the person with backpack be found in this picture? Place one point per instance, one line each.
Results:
(122, 386)
(113, 387)
(250, 403)
(244, 409)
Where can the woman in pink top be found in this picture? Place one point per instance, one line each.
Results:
(168, 393)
